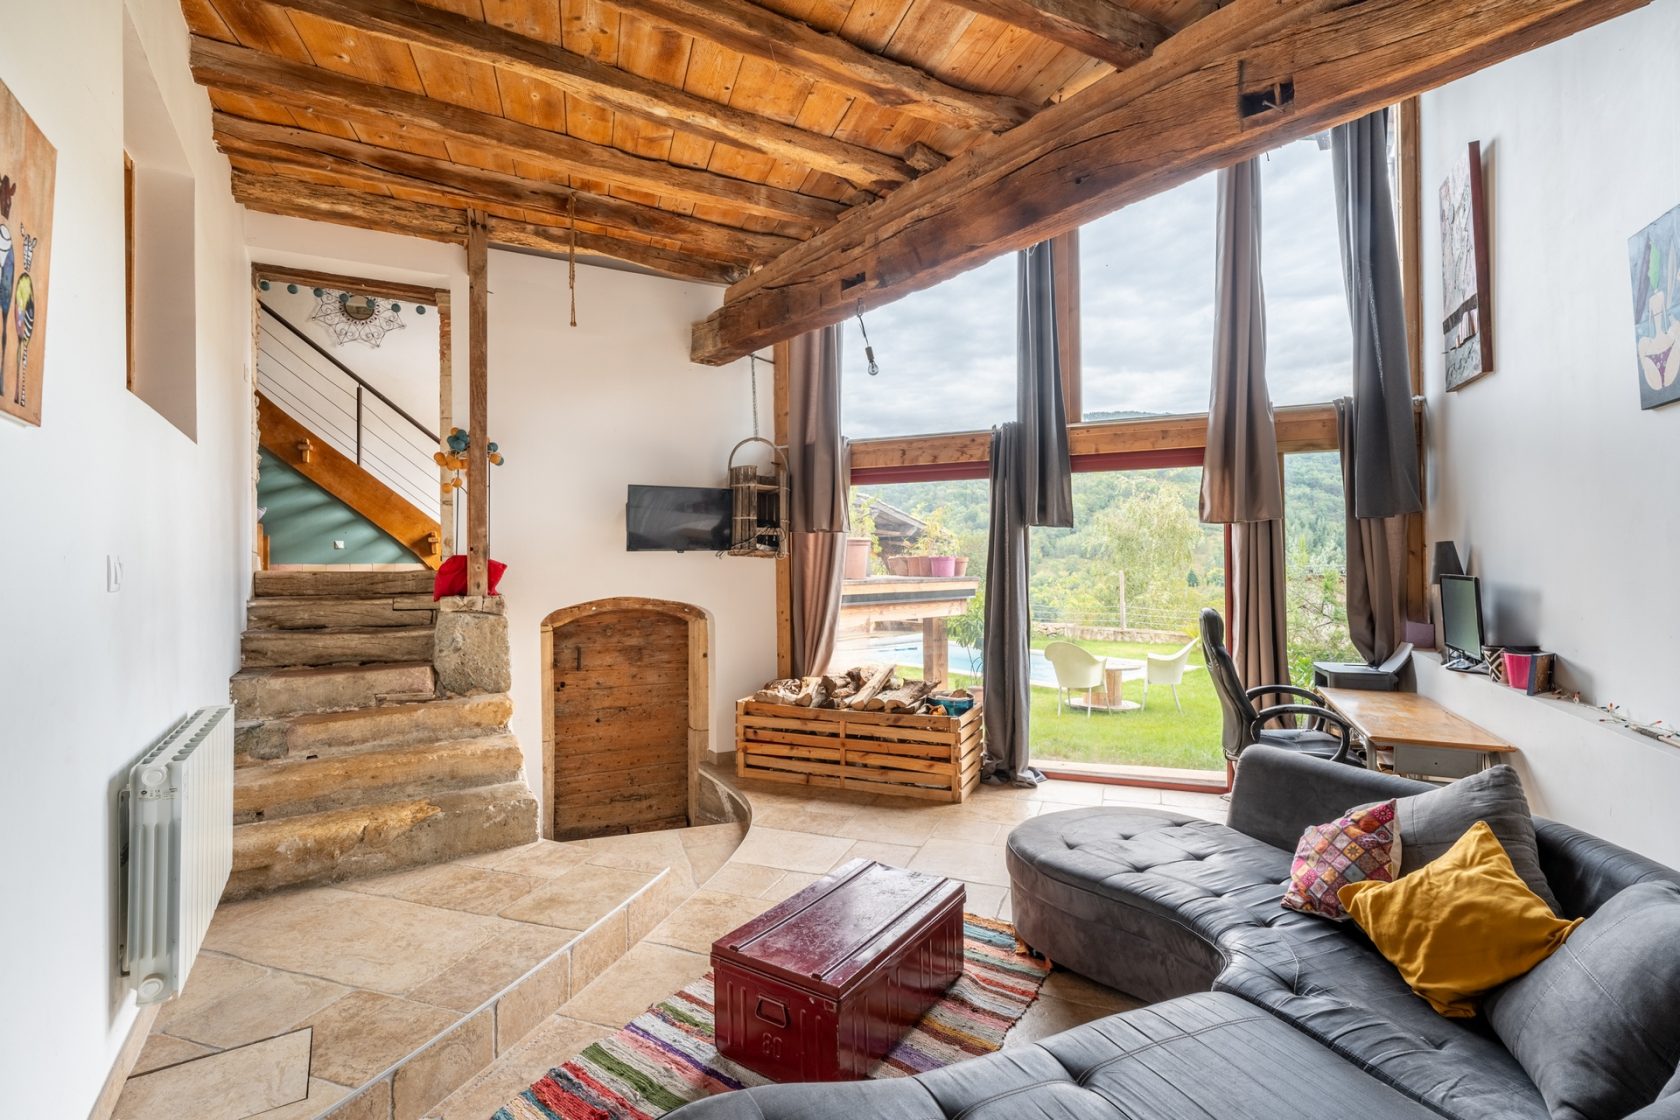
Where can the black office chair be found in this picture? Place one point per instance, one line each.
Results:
(1245, 725)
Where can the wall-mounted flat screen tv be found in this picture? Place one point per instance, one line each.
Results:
(678, 519)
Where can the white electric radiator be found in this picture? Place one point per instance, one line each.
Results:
(180, 849)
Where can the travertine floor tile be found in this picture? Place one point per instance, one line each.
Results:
(746, 879)
(820, 817)
(365, 1032)
(213, 977)
(911, 825)
(704, 918)
(984, 898)
(545, 859)
(230, 1085)
(580, 897)
(361, 940)
(977, 863)
(453, 886)
(550, 1045)
(791, 851)
(270, 1005)
(645, 974)
(1131, 795)
(790, 884)
(1068, 793)
(166, 1050)
(640, 851)
(1049, 1016)
(893, 855)
(323, 1094)
(490, 967)
(1073, 988)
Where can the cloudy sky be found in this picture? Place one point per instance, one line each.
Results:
(947, 355)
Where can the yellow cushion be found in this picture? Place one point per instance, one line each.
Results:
(1460, 925)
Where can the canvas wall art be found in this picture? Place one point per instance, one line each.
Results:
(1654, 260)
(28, 167)
(1465, 319)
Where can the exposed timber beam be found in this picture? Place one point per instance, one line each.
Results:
(743, 26)
(621, 90)
(1185, 110)
(380, 168)
(311, 89)
(318, 202)
(1100, 28)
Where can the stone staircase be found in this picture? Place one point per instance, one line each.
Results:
(349, 758)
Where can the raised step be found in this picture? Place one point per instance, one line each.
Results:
(342, 585)
(260, 694)
(370, 839)
(387, 725)
(297, 786)
(319, 612)
(277, 648)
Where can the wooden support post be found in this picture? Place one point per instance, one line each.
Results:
(784, 571)
(1065, 247)
(1411, 263)
(478, 409)
(936, 652)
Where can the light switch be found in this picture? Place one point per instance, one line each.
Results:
(338, 544)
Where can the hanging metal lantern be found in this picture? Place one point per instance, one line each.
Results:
(759, 522)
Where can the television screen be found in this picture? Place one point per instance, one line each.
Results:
(678, 519)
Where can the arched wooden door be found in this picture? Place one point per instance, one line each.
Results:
(625, 718)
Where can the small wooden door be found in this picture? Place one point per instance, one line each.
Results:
(621, 747)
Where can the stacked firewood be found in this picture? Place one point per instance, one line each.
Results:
(867, 688)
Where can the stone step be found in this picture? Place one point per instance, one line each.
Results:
(277, 648)
(318, 735)
(339, 844)
(296, 786)
(318, 612)
(262, 694)
(342, 585)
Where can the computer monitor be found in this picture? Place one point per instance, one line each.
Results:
(1461, 622)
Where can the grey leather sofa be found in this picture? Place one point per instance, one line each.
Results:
(1262, 1011)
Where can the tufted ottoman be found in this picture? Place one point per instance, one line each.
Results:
(1138, 899)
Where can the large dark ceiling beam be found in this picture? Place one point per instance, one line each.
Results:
(1102, 29)
(757, 32)
(311, 89)
(1198, 103)
(318, 202)
(620, 90)
(380, 168)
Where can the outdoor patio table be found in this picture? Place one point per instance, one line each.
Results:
(1114, 682)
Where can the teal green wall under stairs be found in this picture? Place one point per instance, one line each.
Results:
(304, 520)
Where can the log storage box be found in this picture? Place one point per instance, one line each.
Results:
(821, 986)
(931, 757)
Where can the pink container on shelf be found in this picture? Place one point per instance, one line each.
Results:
(942, 566)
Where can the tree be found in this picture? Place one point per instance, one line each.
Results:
(1151, 536)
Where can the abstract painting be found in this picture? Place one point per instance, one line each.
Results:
(1654, 260)
(28, 168)
(1466, 324)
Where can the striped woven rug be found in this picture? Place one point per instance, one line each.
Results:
(667, 1057)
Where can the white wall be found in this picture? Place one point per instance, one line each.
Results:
(583, 413)
(87, 678)
(1560, 492)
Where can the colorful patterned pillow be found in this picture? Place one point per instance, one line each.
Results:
(1363, 845)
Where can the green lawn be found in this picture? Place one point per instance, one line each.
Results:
(1158, 735)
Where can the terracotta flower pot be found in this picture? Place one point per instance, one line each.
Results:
(943, 567)
(962, 566)
(920, 566)
(857, 557)
(898, 565)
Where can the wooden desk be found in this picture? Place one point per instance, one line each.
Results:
(1426, 738)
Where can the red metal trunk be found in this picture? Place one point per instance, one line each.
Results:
(821, 986)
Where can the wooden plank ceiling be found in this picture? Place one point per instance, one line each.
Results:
(700, 138)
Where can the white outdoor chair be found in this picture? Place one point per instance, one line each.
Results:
(1076, 668)
(1167, 669)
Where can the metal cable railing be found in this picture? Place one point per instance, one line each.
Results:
(352, 416)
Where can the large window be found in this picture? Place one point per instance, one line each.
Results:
(1146, 305)
(946, 356)
(1309, 340)
(1315, 543)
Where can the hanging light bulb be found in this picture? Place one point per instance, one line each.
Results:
(868, 350)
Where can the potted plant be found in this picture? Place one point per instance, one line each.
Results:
(861, 542)
(938, 546)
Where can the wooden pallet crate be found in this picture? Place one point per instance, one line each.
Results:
(931, 757)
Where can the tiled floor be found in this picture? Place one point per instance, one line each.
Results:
(796, 836)
(465, 957)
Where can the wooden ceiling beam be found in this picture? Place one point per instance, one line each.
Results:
(317, 202)
(1194, 105)
(757, 32)
(1102, 29)
(621, 90)
(311, 89)
(292, 147)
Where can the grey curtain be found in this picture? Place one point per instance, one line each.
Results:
(1376, 556)
(1242, 478)
(817, 514)
(1385, 435)
(1004, 647)
(1039, 403)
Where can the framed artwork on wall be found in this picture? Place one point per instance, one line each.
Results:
(1654, 261)
(1466, 321)
(28, 169)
